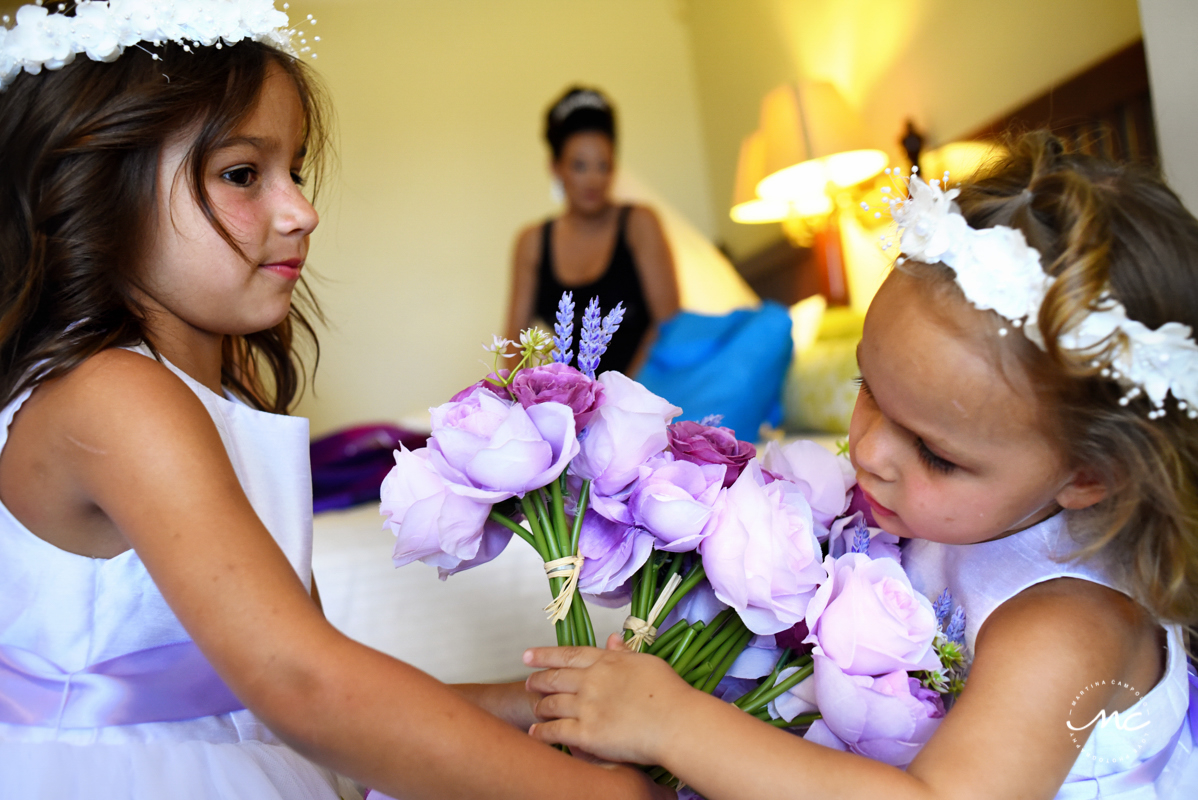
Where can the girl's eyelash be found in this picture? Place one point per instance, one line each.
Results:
(244, 175)
(933, 461)
(297, 178)
(862, 385)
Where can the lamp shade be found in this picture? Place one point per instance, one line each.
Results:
(961, 160)
(812, 137)
(748, 207)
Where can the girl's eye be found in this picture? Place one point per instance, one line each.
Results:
(933, 461)
(240, 176)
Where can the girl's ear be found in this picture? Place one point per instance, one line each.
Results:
(1083, 490)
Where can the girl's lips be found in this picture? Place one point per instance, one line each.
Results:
(289, 269)
(879, 509)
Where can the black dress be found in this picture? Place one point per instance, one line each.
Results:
(619, 283)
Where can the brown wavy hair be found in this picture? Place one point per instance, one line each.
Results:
(1099, 227)
(79, 150)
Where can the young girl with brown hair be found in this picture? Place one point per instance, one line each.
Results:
(157, 637)
(1026, 421)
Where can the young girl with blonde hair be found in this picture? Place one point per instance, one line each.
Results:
(1026, 421)
(157, 636)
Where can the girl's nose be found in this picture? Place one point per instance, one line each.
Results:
(296, 214)
(872, 442)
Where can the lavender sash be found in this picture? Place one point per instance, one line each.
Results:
(160, 684)
(1142, 774)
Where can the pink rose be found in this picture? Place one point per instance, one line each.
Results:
(705, 444)
(868, 620)
(559, 383)
(760, 552)
(627, 429)
(888, 718)
(498, 448)
(825, 479)
(613, 552)
(673, 500)
(431, 522)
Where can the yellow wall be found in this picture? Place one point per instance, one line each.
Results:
(952, 65)
(440, 110)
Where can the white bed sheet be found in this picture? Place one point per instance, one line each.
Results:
(471, 628)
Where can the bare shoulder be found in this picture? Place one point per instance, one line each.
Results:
(644, 223)
(528, 244)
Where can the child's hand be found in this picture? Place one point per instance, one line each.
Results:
(612, 703)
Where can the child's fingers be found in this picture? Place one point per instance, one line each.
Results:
(558, 731)
(557, 706)
(550, 657)
(553, 681)
(615, 642)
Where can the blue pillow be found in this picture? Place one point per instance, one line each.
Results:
(732, 365)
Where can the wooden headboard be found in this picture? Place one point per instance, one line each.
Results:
(1105, 110)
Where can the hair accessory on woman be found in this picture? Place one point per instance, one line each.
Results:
(102, 30)
(997, 269)
(585, 98)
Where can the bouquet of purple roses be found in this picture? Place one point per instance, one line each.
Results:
(760, 580)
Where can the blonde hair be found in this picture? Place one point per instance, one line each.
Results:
(1100, 227)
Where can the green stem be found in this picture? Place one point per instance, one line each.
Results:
(650, 596)
(766, 684)
(688, 658)
(495, 516)
(584, 496)
(691, 580)
(674, 568)
(730, 656)
(638, 580)
(801, 719)
(530, 514)
(684, 643)
(794, 680)
(538, 501)
(668, 638)
(733, 627)
(587, 629)
(560, 525)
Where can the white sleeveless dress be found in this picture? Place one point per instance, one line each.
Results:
(1150, 757)
(102, 693)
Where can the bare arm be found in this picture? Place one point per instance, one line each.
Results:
(655, 266)
(1006, 737)
(144, 450)
(525, 259)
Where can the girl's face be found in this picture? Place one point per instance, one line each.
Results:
(945, 446)
(585, 169)
(194, 281)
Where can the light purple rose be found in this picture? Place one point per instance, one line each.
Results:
(559, 383)
(888, 718)
(707, 444)
(613, 552)
(869, 621)
(826, 479)
(628, 428)
(490, 384)
(431, 522)
(498, 448)
(673, 500)
(760, 552)
(844, 530)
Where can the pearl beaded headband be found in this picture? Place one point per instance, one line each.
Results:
(997, 269)
(102, 30)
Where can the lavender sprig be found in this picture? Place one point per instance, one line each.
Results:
(563, 329)
(942, 607)
(860, 538)
(589, 349)
(955, 632)
(712, 420)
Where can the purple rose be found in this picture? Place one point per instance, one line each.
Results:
(869, 621)
(706, 444)
(825, 479)
(431, 522)
(760, 552)
(888, 718)
(559, 383)
(498, 448)
(613, 552)
(673, 500)
(627, 429)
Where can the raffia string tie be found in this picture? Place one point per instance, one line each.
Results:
(569, 568)
(642, 631)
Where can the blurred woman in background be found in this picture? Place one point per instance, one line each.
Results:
(595, 248)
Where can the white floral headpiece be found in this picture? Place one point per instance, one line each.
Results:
(997, 269)
(102, 30)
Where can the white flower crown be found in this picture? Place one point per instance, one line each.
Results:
(102, 30)
(998, 270)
